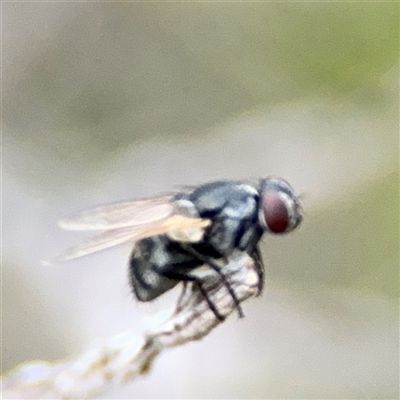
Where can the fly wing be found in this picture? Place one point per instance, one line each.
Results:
(104, 240)
(113, 237)
(121, 215)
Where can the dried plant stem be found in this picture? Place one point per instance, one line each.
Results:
(124, 357)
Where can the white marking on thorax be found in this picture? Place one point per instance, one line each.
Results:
(248, 189)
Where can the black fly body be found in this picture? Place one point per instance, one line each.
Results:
(173, 235)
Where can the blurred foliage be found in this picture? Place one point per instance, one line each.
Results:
(340, 47)
(277, 52)
(353, 244)
(29, 329)
(97, 79)
(115, 73)
(378, 257)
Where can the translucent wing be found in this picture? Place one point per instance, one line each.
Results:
(113, 237)
(120, 215)
(97, 243)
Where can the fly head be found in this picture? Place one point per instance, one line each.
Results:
(280, 208)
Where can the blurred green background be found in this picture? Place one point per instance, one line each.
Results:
(108, 101)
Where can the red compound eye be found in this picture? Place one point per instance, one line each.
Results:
(275, 211)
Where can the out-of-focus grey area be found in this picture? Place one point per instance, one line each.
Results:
(109, 101)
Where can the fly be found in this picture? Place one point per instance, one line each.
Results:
(175, 234)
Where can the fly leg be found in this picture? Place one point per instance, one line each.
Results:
(178, 276)
(218, 270)
(258, 262)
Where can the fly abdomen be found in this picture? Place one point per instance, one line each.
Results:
(153, 264)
